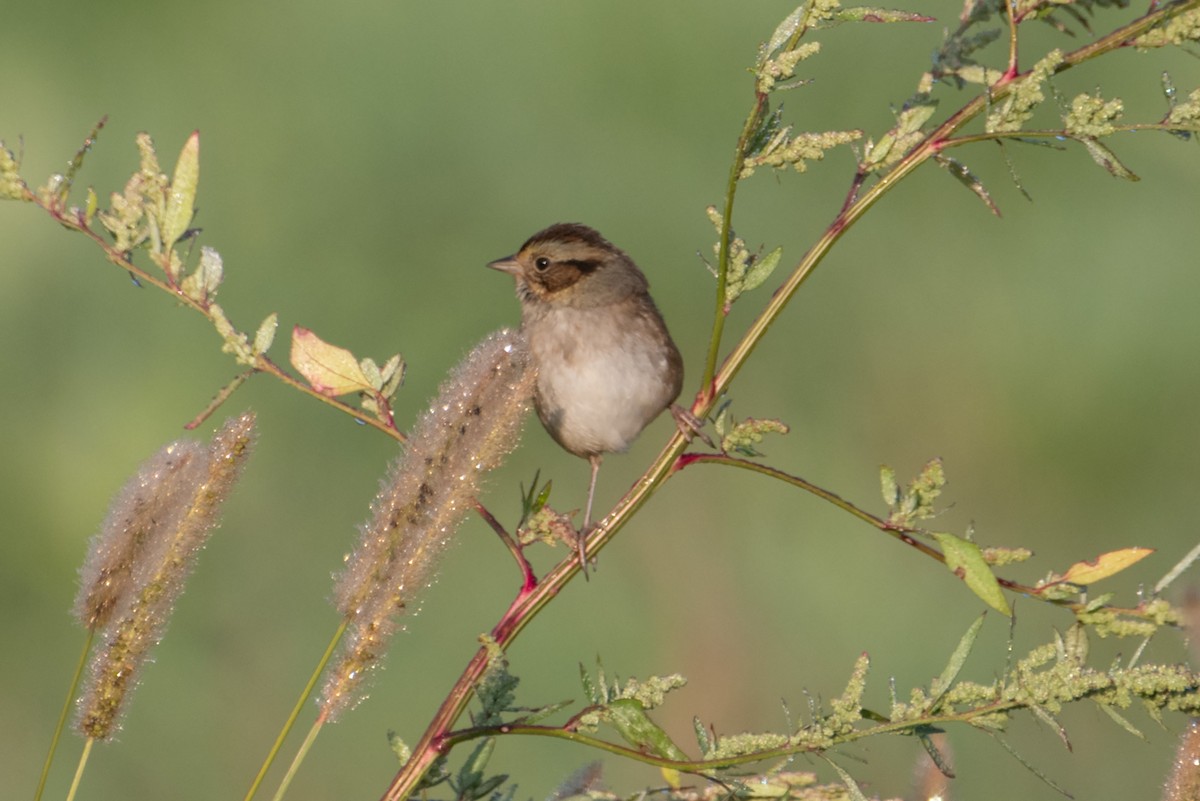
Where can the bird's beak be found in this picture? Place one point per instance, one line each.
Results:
(508, 264)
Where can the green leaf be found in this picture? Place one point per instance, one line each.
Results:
(870, 14)
(89, 210)
(590, 691)
(1108, 160)
(400, 748)
(888, 485)
(1052, 722)
(392, 373)
(760, 269)
(968, 179)
(1121, 721)
(540, 713)
(855, 792)
(629, 718)
(371, 370)
(966, 561)
(935, 754)
(266, 333)
(470, 782)
(203, 283)
(1029, 766)
(12, 186)
(768, 126)
(181, 202)
(945, 681)
(902, 137)
(76, 163)
(785, 29)
(703, 737)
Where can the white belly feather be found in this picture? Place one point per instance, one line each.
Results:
(596, 394)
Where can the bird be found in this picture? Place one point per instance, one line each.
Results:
(606, 364)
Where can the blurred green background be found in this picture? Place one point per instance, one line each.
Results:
(360, 166)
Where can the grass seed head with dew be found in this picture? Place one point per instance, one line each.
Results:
(155, 571)
(470, 427)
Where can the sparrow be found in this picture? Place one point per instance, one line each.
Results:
(606, 364)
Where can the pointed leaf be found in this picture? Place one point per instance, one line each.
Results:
(1105, 565)
(785, 29)
(969, 180)
(760, 270)
(888, 485)
(935, 755)
(11, 185)
(329, 369)
(1108, 160)
(629, 718)
(594, 695)
(266, 333)
(945, 681)
(1121, 721)
(869, 14)
(204, 282)
(399, 747)
(1029, 766)
(181, 203)
(392, 373)
(855, 792)
(90, 207)
(703, 738)
(1052, 722)
(476, 763)
(966, 561)
(541, 712)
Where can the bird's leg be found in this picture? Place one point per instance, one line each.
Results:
(690, 425)
(581, 543)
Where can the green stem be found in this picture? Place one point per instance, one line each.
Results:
(301, 753)
(83, 760)
(970, 139)
(291, 719)
(68, 704)
(753, 119)
(707, 766)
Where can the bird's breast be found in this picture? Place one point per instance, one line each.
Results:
(603, 374)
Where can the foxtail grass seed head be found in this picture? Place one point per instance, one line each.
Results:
(156, 570)
(1183, 783)
(139, 510)
(474, 422)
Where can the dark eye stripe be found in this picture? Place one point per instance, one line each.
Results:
(583, 265)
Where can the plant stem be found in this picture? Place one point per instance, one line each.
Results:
(83, 760)
(262, 364)
(704, 395)
(300, 702)
(68, 705)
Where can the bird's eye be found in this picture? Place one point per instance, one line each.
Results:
(541, 263)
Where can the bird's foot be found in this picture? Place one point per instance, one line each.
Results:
(690, 425)
(581, 548)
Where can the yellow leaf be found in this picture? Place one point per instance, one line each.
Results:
(329, 369)
(1105, 565)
